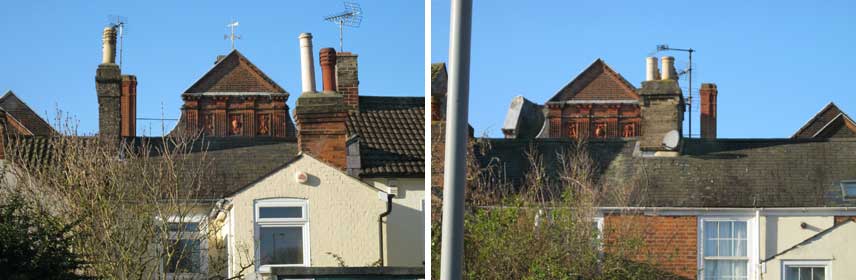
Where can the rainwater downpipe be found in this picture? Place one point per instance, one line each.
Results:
(380, 224)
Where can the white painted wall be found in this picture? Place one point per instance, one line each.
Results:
(343, 213)
(836, 246)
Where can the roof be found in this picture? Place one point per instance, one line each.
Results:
(708, 173)
(391, 131)
(597, 82)
(829, 122)
(231, 162)
(234, 74)
(23, 118)
(524, 119)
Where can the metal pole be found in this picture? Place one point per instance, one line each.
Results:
(691, 92)
(452, 247)
(341, 33)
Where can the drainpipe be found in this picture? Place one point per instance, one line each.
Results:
(380, 224)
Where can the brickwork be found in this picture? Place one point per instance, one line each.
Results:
(347, 78)
(662, 111)
(108, 83)
(322, 132)
(670, 242)
(842, 219)
(438, 153)
(247, 115)
(129, 106)
(708, 93)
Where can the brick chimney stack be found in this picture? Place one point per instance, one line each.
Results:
(708, 94)
(108, 85)
(662, 111)
(129, 106)
(347, 79)
(327, 58)
(320, 118)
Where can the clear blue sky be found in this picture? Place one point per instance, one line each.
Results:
(776, 63)
(50, 49)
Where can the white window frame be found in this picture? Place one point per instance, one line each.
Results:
(827, 266)
(751, 242)
(843, 185)
(172, 236)
(302, 222)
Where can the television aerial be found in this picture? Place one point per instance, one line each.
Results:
(351, 17)
(118, 22)
(689, 72)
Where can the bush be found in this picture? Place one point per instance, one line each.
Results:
(35, 245)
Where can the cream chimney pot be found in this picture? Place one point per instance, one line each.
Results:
(651, 71)
(307, 64)
(108, 46)
(668, 68)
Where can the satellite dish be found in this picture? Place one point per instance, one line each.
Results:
(670, 141)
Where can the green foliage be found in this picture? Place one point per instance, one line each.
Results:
(35, 245)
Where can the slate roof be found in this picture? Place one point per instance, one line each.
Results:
(709, 173)
(391, 132)
(235, 75)
(829, 122)
(231, 162)
(598, 82)
(22, 117)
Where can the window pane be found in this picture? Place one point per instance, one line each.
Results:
(182, 227)
(818, 273)
(280, 212)
(710, 230)
(849, 189)
(805, 273)
(182, 256)
(281, 245)
(725, 230)
(792, 273)
(725, 269)
(740, 236)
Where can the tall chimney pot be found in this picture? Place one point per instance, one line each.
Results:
(108, 46)
(307, 64)
(708, 93)
(651, 71)
(669, 72)
(327, 58)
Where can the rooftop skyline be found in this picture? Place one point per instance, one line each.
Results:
(51, 60)
(775, 63)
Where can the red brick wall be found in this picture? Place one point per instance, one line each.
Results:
(708, 93)
(670, 243)
(586, 116)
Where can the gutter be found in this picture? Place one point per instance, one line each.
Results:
(380, 224)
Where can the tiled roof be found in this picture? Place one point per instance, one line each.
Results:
(708, 173)
(22, 117)
(235, 74)
(229, 163)
(392, 136)
(597, 82)
(830, 122)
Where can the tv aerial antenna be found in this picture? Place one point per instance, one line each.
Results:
(233, 27)
(689, 72)
(351, 17)
(118, 22)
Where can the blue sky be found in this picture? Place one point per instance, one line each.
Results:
(50, 49)
(775, 63)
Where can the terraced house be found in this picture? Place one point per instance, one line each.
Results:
(338, 195)
(712, 208)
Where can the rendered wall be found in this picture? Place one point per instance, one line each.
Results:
(342, 211)
(405, 233)
(835, 246)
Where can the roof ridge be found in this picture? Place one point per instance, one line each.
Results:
(234, 54)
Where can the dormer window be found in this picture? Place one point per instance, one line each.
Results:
(848, 188)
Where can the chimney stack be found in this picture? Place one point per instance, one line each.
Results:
(307, 64)
(129, 106)
(651, 71)
(669, 72)
(662, 111)
(347, 79)
(327, 58)
(108, 85)
(708, 94)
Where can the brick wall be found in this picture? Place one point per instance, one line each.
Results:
(129, 106)
(322, 132)
(347, 78)
(108, 83)
(670, 243)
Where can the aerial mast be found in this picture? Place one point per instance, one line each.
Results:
(351, 17)
(688, 71)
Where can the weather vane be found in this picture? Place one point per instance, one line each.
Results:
(233, 26)
(352, 16)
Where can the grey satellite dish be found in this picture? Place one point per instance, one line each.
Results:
(670, 141)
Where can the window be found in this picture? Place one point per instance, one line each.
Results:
(185, 251)
(849, 188)
(724, 249)
(805, 270)
(282, 233)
